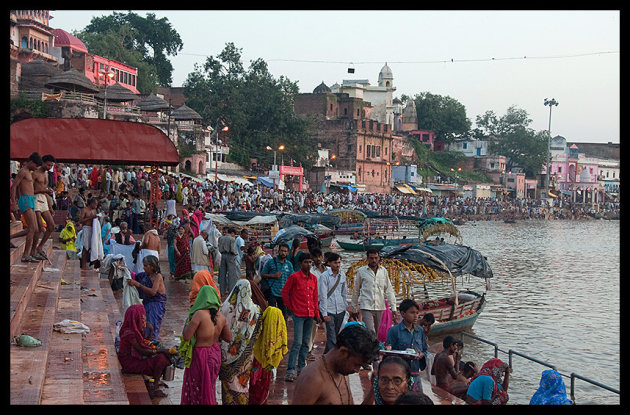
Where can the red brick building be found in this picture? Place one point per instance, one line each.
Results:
(358, 144)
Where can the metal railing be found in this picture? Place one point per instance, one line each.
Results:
(510, 353)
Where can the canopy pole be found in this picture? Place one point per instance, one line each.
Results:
(155, 190)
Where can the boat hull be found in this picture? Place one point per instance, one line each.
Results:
(359, 246)
(453, 319)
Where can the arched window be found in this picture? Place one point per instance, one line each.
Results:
(24, 42)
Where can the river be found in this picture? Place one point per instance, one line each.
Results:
(555, 296)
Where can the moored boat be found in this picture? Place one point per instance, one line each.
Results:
(413, 269)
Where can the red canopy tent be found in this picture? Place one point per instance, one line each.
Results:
(95, 141)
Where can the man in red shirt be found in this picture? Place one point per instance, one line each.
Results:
(300, 296)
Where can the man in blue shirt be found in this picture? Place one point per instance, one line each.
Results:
(333, 302)
(409, 335)
(276, 271)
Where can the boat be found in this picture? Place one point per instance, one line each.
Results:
(437, 226)
(413, 269)
(376, 243)
(351, 221)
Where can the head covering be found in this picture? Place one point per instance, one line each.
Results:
(200, 279)
(207, 298)
(242, 316)
(551, 390)
(494, 368)
(133, 326)
(68, 232)
(271, 344)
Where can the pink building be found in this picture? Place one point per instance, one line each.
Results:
(572, 173)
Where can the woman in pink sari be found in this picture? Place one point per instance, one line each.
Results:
(195, 221)
(135, 355)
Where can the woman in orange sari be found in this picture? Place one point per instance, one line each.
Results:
(183, 267)
(200, 279)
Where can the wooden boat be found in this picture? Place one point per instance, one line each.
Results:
(413, 269)
(351, 221)
(364, 245)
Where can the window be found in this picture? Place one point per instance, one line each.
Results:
(368, 148)
(378, 151)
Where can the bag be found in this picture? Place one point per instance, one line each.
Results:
(265, 287)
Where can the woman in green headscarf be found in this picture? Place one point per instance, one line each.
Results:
(200, 349)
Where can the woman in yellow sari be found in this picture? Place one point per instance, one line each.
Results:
(269, 349)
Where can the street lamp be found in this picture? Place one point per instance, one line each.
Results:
(549, 103)
(106, 74)
(275, 166)
(215, 131)
(459, 169)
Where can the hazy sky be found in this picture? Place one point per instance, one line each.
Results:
(572, 56)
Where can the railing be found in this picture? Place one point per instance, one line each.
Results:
(511, 352)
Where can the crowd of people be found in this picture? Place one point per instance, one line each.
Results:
(236, 328)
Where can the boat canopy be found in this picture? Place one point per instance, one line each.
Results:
(436, 225)
(330, 221)
(456, 259)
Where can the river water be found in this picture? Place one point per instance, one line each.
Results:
(555, 297)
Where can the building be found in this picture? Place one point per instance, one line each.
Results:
(379, 97)
(355, 142)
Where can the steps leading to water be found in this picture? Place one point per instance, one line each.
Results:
(67, 368)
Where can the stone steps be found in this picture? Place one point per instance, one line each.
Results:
(67, 368)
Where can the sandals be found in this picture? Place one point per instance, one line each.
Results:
(38, 256)
(290, 377)
(29, 259)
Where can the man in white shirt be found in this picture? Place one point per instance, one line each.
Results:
(333, 293)
(200, 255)
(371, 288)
(240, 247)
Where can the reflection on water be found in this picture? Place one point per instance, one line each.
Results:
(555, 297)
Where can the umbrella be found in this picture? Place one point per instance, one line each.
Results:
(72, 80)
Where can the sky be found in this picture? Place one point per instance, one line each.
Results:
(486, 60)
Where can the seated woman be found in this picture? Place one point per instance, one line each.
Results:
(392, 380)
(150, 285)
(487, 388)
(551, 390)
(133, 353)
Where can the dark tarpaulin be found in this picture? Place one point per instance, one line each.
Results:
(245, 216)
(289, 233)
(330, 221)
(92, 141)
(459, 259)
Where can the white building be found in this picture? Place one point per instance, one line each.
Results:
(380, 97)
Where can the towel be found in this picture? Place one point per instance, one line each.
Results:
(96, 243)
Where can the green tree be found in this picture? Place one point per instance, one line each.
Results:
(442, 114)
(510, 135)
(257, 108)
(142, 42)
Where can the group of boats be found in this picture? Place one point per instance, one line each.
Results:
(413, 251)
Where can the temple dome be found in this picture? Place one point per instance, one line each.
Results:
(321, 88)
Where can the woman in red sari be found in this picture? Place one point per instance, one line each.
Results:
(183, 267)
(134, 354)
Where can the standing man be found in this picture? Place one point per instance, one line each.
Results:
(333, 302)
(87, 215)
(150, 245)
(325, 381)
(276, 271)
(371, 288)
(240, 247)
(228, 272)
(43, 205)
(23, 202)
(300, 296)
(200, 255)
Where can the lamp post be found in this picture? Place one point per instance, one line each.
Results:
(106, 74)
(549, 102)
(275, 166)
(456, 176)
(215, 131)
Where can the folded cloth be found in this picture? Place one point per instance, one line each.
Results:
(144, 253)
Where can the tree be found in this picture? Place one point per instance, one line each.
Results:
(142, 42)
(444, 115)
(257, 108)
(510, 136)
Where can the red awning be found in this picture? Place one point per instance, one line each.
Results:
(92, 141)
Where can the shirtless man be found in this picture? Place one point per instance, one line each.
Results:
(150, 246)
(23, 202)
(443, 366)
(87, 215)
(43, 205)
(326, 380)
